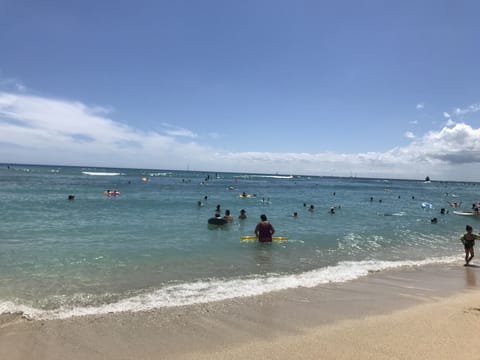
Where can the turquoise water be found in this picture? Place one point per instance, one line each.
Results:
(151, 246)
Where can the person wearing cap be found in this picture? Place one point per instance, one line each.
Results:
(264, 229)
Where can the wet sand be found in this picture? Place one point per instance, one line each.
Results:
(430, 312)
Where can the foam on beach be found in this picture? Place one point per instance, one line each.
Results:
(210, 290)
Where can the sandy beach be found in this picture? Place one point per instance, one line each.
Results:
(430, 312)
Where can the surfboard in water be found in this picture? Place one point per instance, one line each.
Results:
(253, 237)
(463, 213)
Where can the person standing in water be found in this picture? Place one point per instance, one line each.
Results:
(468, 241)
(264, 229)
(228, 216)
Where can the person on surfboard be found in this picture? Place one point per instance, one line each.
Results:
(264, 229)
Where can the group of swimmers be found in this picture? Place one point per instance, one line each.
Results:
(218, 219)
(311, 208)
(264, 230)
(228, 215)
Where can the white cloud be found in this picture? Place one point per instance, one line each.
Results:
(447, 149)
(10, 83)
(446, 115)
(409, 135)
(176, 131)
(20, 87)
(43, 130)
(469, 110)
(46, 130)
(214, 135)
(101, 109)
(450, 122)
(420, 105)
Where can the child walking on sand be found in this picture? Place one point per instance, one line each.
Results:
(468, 241)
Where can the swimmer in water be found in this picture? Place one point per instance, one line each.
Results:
(243, 214)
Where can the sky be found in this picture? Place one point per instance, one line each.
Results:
(387, 89)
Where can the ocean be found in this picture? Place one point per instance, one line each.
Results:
(149, 245)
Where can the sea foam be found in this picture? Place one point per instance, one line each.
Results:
(216, 289)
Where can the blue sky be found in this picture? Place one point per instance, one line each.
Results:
(370, 88)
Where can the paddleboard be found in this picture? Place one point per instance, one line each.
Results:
(253, 237)
(465, 213)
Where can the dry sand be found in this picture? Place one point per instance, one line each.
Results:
(428, 312)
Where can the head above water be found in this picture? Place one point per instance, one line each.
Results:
(468, 228)
(263, 217)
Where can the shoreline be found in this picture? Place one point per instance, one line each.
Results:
(385, 314)
(214, 290)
